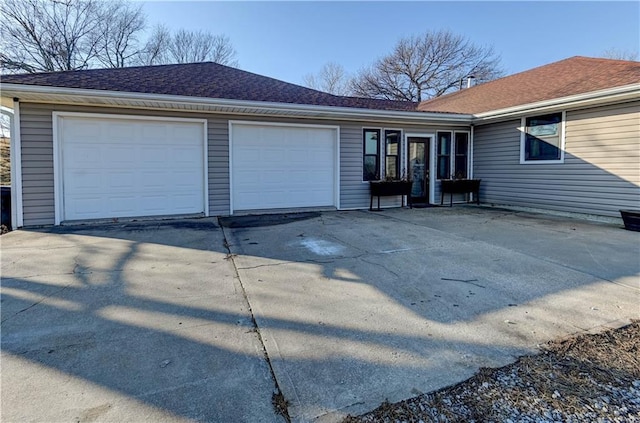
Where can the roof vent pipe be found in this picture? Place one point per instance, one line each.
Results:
(469, 79)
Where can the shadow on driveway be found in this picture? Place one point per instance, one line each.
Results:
(356, 307)
(136, 322)
(148, 321)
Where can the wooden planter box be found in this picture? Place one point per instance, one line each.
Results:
(460, 186)
(631, 219)
(389, 189)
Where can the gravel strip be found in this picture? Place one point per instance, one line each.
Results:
(587, 378)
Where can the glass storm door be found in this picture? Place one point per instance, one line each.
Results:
(418, 167)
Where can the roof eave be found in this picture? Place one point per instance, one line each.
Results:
(77, 96)
(593, 98)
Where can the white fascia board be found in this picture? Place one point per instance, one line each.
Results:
(594, 98)
(353, 113)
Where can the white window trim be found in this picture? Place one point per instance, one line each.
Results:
(383, 151)
(452, 165)
(58, 121)
(522, 129)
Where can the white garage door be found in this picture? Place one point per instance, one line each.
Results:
(126, 167)
(277, 166)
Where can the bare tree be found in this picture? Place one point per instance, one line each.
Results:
(118, 34)
(156, 49)
(49, 35)
(54, 35)
(426, 66)
(186, 47)
(614, 53)
(332, 78)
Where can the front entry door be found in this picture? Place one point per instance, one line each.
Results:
(418, 167)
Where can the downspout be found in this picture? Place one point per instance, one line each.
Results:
(17, 220)
(471, 157)
(471, 153)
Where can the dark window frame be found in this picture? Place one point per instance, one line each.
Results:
(440, 157)
(370, 176)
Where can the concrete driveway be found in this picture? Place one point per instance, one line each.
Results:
(149, 321)
(356, 308)
(138, 322)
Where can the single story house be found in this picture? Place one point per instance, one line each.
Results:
(206, 139)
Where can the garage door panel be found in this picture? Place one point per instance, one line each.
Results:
(120, 180)
(114, 167)
(185, 155)
(121, 204)
(83, 180)
(83, 155)
(283, 166)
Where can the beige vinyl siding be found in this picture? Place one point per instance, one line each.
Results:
(354, 194)
(600, 174)
(37, 165)
(37, 156)
(36, 127)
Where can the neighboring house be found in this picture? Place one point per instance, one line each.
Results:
(207, 139)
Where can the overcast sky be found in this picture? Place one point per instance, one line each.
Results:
(287, 40)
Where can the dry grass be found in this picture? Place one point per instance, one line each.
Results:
(5, 162)
(583, 378)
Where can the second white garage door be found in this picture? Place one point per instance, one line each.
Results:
(112, 167)
(283, 166)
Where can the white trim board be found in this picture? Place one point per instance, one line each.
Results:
(15, 153)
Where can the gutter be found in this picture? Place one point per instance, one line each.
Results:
(232, 106)
(610, 95)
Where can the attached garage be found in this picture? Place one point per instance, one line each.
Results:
(279, 166)
(109, 166)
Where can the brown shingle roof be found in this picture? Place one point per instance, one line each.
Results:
(207, 80)
(576, 75)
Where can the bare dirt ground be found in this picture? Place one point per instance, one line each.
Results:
(588, 378)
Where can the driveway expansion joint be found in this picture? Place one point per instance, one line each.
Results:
(279, 402)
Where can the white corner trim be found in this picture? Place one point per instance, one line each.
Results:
(523, 124)
(15, 155)
(58, 206)
(205, 165)
(471, 135)
(230, 163)
(337, 162)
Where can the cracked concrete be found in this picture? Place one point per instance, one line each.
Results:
(130, 322)
(155, 321)
(415, 300)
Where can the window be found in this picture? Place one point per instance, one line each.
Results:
(461, 160)
(371, 157)
(542, 139)
(444, 155)
(392, 154)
